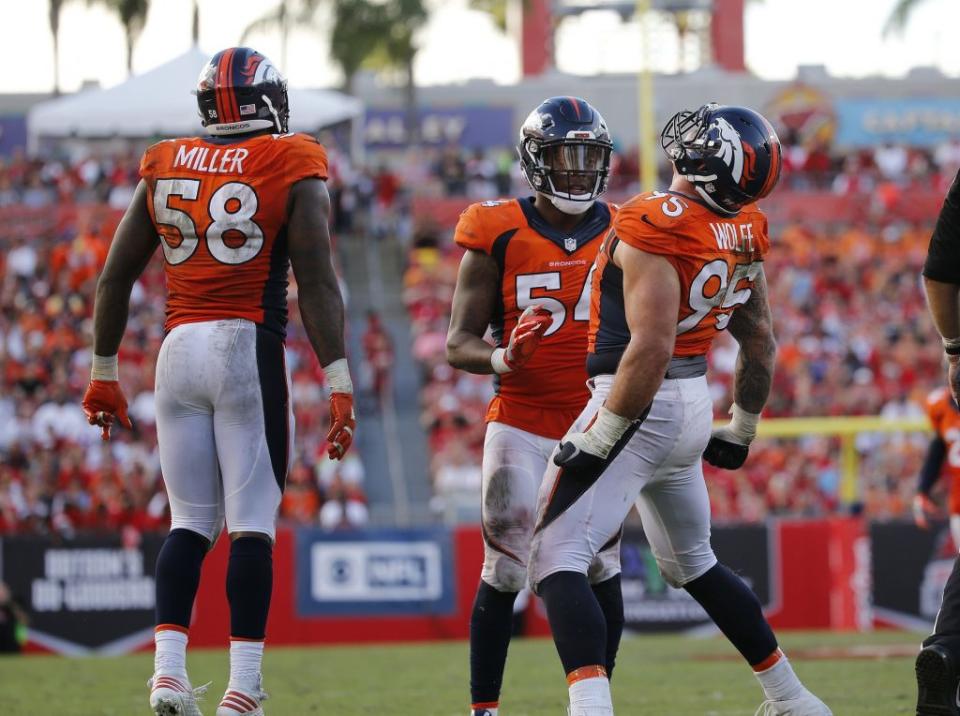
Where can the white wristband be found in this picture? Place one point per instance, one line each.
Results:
(338, 376)
(104, 368)
(744, 424)
(609, 426)
(499, 362)
(606, 430)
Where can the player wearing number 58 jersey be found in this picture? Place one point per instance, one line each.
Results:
(526, 275)
(231, 211)
(677, 267)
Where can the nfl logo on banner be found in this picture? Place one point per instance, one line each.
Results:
(570, 244)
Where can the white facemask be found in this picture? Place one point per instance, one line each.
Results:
(568, 206)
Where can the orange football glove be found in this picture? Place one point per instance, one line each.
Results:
(342, 424)
(924, 509)
(526, 335)
(103, 403)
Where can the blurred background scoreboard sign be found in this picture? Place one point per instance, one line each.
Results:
(374, 572)
(468, 127)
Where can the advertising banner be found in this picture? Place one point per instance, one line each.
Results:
(912, 121)
(375, 572)
(466, 127)
(910, 570)
(13, 134)
(86, 596)
(651, 605)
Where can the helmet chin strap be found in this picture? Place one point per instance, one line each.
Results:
(276, 117)
(712, 204)
(569, 206)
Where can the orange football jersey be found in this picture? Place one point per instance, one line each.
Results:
(945, 419)
(717, 259)
(539, 264)
(220, 208)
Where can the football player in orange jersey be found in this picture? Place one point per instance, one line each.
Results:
(677, 267)
(232, 211)
(525, 275)
(943, 458)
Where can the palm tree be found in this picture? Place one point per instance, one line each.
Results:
(195, 25)
(900, 16)
(286, 14)
(55, 7)
(357, 29)
(497, 9)
(133, 16)
(397, 50)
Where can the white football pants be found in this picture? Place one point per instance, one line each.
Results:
(224, 426)
(659, 470)
(514, 462)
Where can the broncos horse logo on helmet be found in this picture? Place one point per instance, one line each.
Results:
(730, 154)
(239, 91)
(565, 151)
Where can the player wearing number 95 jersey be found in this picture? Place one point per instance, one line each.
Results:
(677, 267)
(525, 274)
(231, 211)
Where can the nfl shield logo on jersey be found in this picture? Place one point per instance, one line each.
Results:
(570, 244)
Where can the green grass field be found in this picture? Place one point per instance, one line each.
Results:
(656, 676)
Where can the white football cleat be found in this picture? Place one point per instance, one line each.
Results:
(804, 705)
(240, 702)
(172, 696)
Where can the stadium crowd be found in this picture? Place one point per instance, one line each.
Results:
(852, 330)
(476, 174)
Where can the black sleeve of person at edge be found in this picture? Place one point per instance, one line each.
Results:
(943, 254)
(931, 465)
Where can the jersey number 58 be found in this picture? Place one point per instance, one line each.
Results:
(231, 210)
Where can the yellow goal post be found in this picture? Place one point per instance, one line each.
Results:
(847, 428)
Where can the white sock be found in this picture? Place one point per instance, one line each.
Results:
(779, 682)
(245, 659)
(170, 657)
(591, 697)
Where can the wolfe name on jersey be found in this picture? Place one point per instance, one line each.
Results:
(539, 264)
(220, 209)
(716, 259)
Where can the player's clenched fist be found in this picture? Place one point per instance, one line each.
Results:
(585, 456)
(729, 445)
(342, 424)
(103, 403)
(342, 419)
(924, 509)
(524, 339)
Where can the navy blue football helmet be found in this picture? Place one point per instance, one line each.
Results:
(730, 154)
(565, 150)
(239, 91)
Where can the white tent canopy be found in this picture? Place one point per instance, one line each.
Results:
(159, 103)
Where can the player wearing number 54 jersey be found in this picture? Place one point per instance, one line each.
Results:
(232, 212)
(526, 275)
(677, 268)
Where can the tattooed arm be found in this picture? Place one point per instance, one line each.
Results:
(752, 326)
